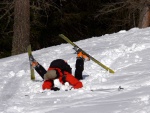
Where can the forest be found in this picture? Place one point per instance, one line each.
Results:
(39, 22)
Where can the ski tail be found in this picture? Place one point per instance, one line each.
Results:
(32, 74)
(92, 58)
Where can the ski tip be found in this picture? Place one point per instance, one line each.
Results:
(29, 45)
(111, 71)
(61, 35)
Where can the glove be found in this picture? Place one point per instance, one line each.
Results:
(55, 88)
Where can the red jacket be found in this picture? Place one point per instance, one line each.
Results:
(48, 84)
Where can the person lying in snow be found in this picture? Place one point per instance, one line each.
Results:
(59, 69)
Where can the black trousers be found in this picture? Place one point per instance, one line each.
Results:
(78, 71)
(40, 70)
(79, 68)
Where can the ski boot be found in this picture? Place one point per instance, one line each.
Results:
(33, 62)
(80, 54)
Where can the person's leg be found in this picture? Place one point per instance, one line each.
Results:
(79, 68)
(40, 70)
(38, 67)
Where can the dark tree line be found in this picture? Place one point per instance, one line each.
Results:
(40, 21)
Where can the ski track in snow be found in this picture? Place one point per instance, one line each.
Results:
(127, 52)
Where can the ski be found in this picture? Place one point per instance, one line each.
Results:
(32, 75)
(92, 58)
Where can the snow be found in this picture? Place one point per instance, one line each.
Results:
(127, 52)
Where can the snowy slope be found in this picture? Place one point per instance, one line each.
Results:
(127, 52)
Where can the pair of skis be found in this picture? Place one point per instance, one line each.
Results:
(74, 45)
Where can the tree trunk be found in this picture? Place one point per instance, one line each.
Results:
(21, 26)
(145, 17)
